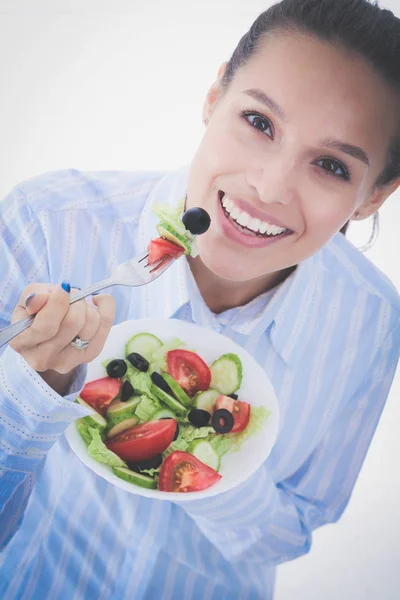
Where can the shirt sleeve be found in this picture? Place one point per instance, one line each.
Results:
(32, 415)
(269, 522)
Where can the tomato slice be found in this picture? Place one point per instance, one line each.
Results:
(183, 472)
(240, 411)
(159, 247)
(144, 441)
(189, 370)
(100, 393)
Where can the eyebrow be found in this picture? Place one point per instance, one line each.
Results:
(350, 150)
(264, 99)
(354, 151)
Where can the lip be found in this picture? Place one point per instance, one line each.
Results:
(234, 234)
(254, 212)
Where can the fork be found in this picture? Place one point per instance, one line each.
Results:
(133, 272)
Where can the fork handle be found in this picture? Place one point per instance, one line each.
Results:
(11, 331)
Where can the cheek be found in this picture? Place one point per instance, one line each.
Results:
(326, 215)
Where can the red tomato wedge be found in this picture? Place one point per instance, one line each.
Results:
(160, 247)
(183, 472)
(144, 441)
(100, 393)
(189, 370)
(240, 411)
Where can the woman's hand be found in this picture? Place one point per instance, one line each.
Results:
(45, 345)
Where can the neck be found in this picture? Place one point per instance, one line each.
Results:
(221, 294)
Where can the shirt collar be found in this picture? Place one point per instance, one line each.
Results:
(288, 315)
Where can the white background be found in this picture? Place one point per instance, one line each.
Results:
(120, 85)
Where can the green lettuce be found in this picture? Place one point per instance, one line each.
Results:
(258, 416)
(84, 429)
(221, 443)
(147, 408)
(99, 451)
(158, 360)
(140, 381)
(187, 434)
(173, 216)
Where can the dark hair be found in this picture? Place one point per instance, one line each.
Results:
(355, 25)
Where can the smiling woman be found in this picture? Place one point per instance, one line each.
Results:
(302, 135)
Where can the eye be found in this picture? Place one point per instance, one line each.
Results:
(334, 168)
(258, 121)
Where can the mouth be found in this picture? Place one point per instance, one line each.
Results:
(248, 225)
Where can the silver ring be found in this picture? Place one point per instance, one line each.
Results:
(79, 344)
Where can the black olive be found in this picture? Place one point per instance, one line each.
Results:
(176, 430)
(233, 396)
(160, 382)
(222, 421)
(133, 467)
(138, 361)
(196, 220)
(199, 417)
(127, 391)
(144, 465)
(117, 368)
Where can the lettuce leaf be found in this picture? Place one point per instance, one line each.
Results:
(84, 429)
(168, 214)
(187, 434)
(173, 216)
(141, 382)
(99, 451)
(234, 441)
(147, 407)
(158, 360)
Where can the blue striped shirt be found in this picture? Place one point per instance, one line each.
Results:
(328, 337)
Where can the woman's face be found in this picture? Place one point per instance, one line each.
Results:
(291, 151)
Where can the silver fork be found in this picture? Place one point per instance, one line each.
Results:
(132, 273)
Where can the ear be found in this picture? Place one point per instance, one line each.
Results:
(378, 197)
(213, 94)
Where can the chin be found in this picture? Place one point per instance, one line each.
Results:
(223, 263)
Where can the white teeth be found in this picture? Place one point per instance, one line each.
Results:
(235, 212)
(254, 224)
(244, 219)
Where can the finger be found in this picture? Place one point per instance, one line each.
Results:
(48, 320)
(85, 328)
(71, 325)
(106, 307)
(69, 356)
(33, 298)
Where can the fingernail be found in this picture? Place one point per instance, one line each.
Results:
(66, 287)
(27, 299)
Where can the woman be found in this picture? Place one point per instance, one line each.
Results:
(301, 136)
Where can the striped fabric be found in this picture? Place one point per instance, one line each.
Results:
(328, 338)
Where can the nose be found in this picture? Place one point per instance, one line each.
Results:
(274, 182)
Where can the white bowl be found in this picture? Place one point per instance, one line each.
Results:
(256, 389)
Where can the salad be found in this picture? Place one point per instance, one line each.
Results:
(163, 418)
(177, 232)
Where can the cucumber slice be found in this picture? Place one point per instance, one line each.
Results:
(226, 373)
(206, 400)
(119, 411)
(164, 413)
(203, 450)
(173, 404)
(122, 426)
(94, 420)
(144, 344)
(136, 478)
(180, 394)
(167, 231)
